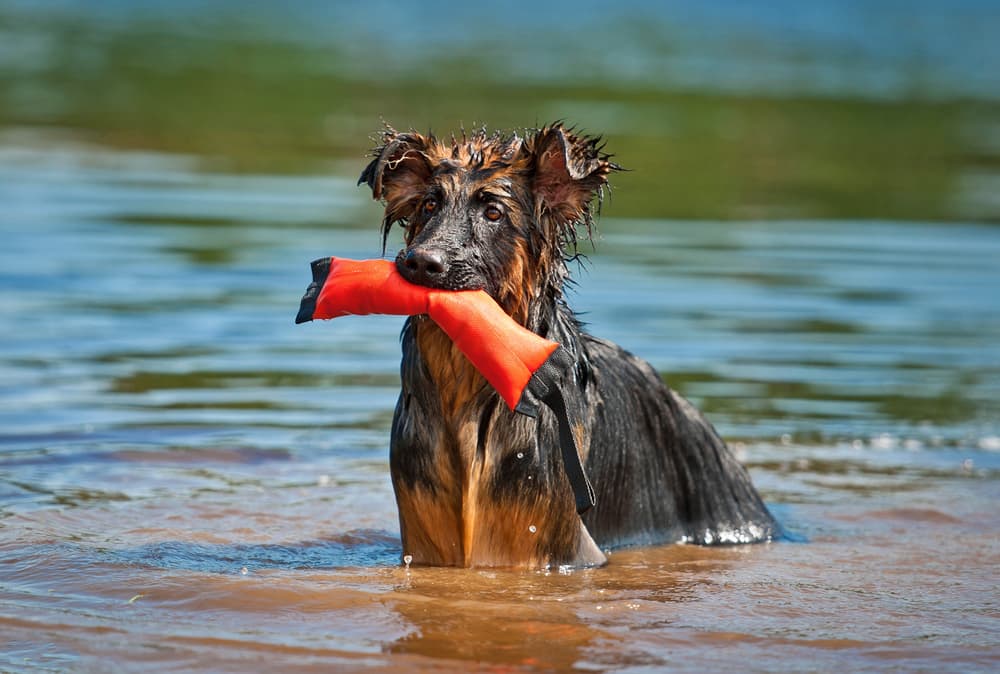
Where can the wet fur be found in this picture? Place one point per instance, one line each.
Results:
(477, 484)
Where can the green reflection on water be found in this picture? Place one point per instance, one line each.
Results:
(256, 103)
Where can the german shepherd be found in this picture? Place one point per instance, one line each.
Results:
(478, 485)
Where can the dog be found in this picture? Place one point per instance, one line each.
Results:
(478, 485)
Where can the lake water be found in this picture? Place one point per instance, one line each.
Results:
(189, 481)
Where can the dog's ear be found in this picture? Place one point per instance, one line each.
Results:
(569, 170)
(400, 167)
(398, 175)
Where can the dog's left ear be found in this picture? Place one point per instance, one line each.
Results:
(570, 170)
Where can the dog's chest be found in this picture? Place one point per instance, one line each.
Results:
(456, 380)
(485, 496)
(472, 484)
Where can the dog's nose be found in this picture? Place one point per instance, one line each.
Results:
(423, 266)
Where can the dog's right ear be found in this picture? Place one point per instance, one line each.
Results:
(398, 175)
(400, 169)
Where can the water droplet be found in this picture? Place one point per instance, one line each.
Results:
(520, 455)
(244, 571)
(532, 528)
(407, 560)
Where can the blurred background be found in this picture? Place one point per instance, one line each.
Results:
(806, 245)
(847, 109)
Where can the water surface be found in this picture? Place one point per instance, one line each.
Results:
(188, 481)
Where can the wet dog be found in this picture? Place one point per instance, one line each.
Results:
(477, 484)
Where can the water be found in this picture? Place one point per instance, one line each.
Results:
(188, 481)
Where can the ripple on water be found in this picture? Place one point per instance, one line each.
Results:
(187, 477)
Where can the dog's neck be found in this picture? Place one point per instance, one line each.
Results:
(455, 378)
(458, 382)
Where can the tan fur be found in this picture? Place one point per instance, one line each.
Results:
(515, 295)
(430, 528)
(468, 529)
(457, 379)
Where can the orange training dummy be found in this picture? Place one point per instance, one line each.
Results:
(504, 352)
(523, 367)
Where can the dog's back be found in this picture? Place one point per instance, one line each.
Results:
(661, 472)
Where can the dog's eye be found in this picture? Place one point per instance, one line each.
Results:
(430, 206)
(493, 213)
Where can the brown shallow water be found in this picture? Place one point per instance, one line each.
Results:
(896, 585)
(189, 482)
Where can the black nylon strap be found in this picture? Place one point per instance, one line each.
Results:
(583, 491)
(546, 385)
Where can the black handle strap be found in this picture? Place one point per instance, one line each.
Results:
(546, 386)
(583, 491)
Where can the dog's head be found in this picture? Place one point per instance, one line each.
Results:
(488, 212)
